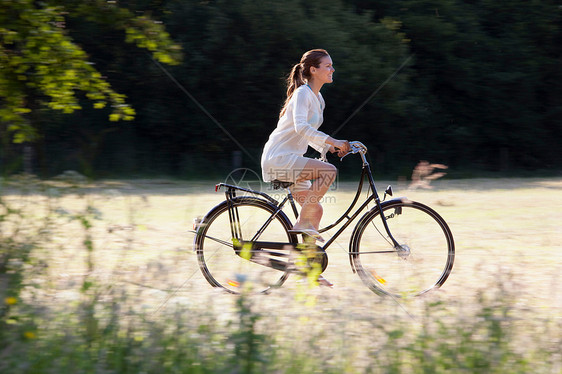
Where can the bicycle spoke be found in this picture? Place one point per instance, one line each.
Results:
(371, 252)
(223, 242)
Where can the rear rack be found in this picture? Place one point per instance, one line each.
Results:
(232, 188)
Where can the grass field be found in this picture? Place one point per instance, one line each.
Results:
(133, 237)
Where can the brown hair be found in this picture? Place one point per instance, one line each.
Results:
(301, 72)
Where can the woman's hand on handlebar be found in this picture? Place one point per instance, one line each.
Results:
(352, 147)
(342, 147)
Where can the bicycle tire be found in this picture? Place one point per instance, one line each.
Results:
(424, 259)
(222, 266)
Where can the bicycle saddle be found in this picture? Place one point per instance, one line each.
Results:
(277, 184)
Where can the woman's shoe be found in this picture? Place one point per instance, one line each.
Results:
(324, 282)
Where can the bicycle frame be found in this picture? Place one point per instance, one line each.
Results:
(366, 171)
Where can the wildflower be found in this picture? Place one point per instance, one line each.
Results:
(10, 300)
(29, 335)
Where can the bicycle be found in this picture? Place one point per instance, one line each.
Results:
(407, 250)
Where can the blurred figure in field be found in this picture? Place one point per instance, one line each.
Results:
(423, 175)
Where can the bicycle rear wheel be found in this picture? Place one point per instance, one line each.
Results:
(422, 261)
(234, 264)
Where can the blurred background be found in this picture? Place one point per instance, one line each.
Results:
(474, 84)
(134, 105)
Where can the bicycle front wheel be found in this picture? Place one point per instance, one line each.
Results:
(422, 260)
(233, 263)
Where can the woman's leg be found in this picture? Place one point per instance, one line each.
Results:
(322, 175)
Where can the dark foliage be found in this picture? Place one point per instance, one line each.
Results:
(480, 92)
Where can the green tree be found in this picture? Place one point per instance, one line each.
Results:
(42, 66)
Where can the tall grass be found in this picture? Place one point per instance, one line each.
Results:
(102, 326)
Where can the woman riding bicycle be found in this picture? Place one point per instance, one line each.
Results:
(301, 116)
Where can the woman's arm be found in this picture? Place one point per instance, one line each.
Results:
(341, 146)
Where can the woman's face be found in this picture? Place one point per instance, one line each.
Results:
(324, 72)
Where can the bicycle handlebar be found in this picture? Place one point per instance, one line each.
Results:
(356, 147)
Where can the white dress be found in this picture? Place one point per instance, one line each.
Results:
(282, 156)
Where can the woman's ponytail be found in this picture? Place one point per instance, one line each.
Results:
(294, 81)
